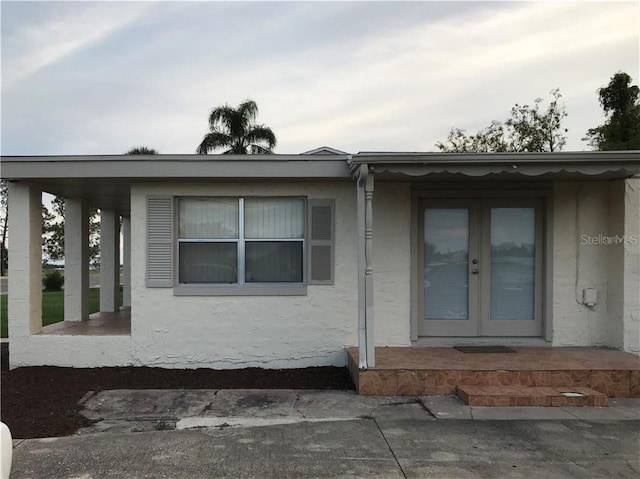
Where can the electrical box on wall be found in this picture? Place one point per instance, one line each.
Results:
(590, 297)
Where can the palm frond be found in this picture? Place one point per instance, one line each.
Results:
(260, 150)
(212, 141)
(220, 114)
(261, 134)
(248, 109)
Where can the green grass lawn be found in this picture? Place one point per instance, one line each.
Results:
(52, 308)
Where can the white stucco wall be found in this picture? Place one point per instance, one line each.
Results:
(243, 331)
(298, 331)
(392, 263)
(631, 275)
(70, 351)
(587, 219)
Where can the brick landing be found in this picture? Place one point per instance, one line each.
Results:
(430, 371)
(530, 396)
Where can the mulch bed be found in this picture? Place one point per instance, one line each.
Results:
(43, 401)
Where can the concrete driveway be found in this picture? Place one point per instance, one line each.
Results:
(282, 434)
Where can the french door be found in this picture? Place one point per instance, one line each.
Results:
(481, 263)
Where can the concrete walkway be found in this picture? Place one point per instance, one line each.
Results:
(283, 433)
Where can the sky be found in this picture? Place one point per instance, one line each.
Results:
(103, 77)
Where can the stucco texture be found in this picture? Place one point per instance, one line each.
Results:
(595, 245)
(392, 263)
(242, 331)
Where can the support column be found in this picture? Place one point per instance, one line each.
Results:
(25, 261)
(368, 272)
(366, 340)
(109, 261)
(362, 318)
(76, 260)
(126, 262)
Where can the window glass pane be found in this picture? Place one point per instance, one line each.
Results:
(446, 263)
(208, 262)
(212, 218)
(273, 261)
(274, 218)
(512, 263)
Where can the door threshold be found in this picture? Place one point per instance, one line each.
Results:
(447, 342)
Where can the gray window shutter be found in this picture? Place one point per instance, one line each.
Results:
(321, 243)
(159, 242)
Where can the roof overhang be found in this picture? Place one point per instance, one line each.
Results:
(502, 166)
(105, 181)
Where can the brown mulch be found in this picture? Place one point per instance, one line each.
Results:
(43, 401)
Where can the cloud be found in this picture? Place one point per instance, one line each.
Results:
(62, 30)
(353, 75)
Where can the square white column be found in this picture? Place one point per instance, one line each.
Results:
(76, 260)
(109, 261)
(25, 259)
(126, 262)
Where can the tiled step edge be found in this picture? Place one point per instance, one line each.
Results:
(530, 396)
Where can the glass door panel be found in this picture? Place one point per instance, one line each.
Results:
(513, 263)
(448, 287)
(446, 260)
(511, 277)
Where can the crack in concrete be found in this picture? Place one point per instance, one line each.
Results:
(397, 403)
(295, 406)
(404, 474)
(210, 404)
(425, 408)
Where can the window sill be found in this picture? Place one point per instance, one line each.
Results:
(240, 290)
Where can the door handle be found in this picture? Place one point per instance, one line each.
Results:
(475, 271)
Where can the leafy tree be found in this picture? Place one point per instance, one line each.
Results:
(529, 128)
(489, 139)
(142, 150)
(235, 130)
(621, 130)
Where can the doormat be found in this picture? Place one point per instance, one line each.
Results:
(485, 349)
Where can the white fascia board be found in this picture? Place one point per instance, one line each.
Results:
(156, 167)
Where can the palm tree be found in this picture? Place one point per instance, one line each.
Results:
(235, 129)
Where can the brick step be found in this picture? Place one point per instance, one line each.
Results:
(530, 396)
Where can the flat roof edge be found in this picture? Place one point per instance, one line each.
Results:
(518, 157)
(175, 158)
